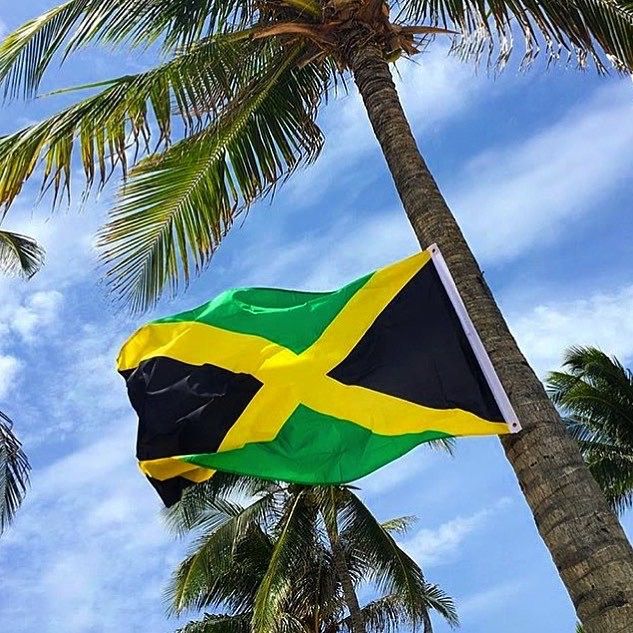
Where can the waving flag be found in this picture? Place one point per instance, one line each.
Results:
(311, 387)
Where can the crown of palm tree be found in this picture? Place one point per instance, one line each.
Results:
(268, 564)
(596, 393)
(239, 91)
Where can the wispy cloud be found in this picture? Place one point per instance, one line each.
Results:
(9, 369)
(600, 319)
(509, 200)
(524, 194)
(89, 546)
(490, 600)
(39, 310)
(440, 545)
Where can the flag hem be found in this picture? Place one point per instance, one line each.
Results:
(500, 396)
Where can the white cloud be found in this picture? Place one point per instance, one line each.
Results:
(489, 600)
(602, 320)
(68, 237)
(353, 246)
(9, 369)
(441, 545)
(524, 194)
(392, 475)
(360, 247)
(88, 535)
(39, 311)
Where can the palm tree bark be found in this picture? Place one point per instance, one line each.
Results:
(342, 571)
(588, 545)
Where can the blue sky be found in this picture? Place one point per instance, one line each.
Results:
(537, 167)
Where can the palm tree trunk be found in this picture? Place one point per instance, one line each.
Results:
(340, 565)
(426, 622)
(587, 543)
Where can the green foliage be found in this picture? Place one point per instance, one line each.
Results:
(398, 525)
(393, 571)
(19, 254)
(14, 473)
(277, 572)
(238, 94)
(595, 392)
(163, 223)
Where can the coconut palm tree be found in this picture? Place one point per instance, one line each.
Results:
(595, 391)
(291, 558)
(231, 112)
(14, 473)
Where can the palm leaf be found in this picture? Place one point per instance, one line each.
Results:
(219, 624)
(19, 254)
(388, 565)
(295, 532)
(384, 615)
(198, 502)
(176, 208)
(596, 393)
(582, 28)
(194, 584)
(193, 86)
(440, 602)
(399, 525)
(26, 53)
(14, 473)
(612, 467)
(389, 614)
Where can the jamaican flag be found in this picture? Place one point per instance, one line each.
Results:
(310, 387)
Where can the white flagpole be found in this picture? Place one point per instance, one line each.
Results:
(481, 354)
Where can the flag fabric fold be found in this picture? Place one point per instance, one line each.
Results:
(310, 387)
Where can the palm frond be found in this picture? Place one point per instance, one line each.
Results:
(212, 554)
(398, 525)
(14, 473)
(295, 532)
(612, 467)
(316, 591)
(26, 53)
(384, 615)
(596, 393)
(176, 208)
(579, 29)
(439, 601)
(19, 254)
(393, 570)
(118, 121)
(220, 623)
(198, 502)
(389, 613)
